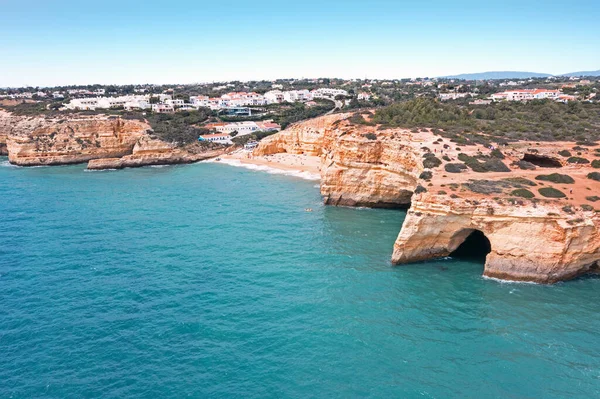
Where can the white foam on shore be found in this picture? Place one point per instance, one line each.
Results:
(268, 169)
(499, 280)
(7, 164)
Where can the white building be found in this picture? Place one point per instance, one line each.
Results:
(328, 93)
(221, 138)
(165, 108)
(452, 96)
(274, 97)
(293, 96)
(364, 96)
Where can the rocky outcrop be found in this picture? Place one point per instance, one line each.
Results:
(362, 167)
(47, 141)
(300, 138)
(528, 243)
(355, 170)
(535, 239)
(104, 142)
(148, 151)
(3, 147)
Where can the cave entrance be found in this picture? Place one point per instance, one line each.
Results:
(542, 161)
(471, 245)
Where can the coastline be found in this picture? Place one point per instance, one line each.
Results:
(298, 165)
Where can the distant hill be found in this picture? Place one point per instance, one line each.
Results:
(515, 75)
(498, 75)
(583, 73)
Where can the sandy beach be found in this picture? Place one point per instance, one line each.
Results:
(286, 162)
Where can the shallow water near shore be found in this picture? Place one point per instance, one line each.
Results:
(208, 280)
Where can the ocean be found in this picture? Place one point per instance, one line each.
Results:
(212, 281)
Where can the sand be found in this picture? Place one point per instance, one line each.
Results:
(283, 161)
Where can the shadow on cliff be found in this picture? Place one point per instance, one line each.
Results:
(474, 248)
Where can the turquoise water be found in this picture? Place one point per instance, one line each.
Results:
(212, 281)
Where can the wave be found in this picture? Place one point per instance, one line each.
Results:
(268, 169)
(502, 281)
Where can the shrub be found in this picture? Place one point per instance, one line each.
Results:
(556, 178)
(522, 192)
(594, 176)
(525, 165)
(596, 163)
(496, 153)
(426, 175)
(420, 189)
(431, 162)
(568, 209)
(577, 160)
(587, 207)
(517, 181)
(454, 167)
(442, 192)
(550, 192)
(564, 153)
(488, 165)
(370, 136)
(593, 198)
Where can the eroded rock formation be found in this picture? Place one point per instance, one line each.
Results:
(106, 142)
(148, 151)
(47, 141)
(539, 244)
(537, 239)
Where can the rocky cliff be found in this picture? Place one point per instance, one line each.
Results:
(51, 141)
(107, 142)
(148, 151)
(300, 138)
(528, 243)
(532, 237)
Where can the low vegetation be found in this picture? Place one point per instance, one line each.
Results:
(577, 160)
(594, 176)
(564, 153)
(426, 175)
(255, 136)
(523, 193)
(455, 167)
(485, 165)
(541, 120)
(556, 178)
(550, 192)
(431, 162)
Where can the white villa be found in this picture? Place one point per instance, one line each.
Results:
(526, 95)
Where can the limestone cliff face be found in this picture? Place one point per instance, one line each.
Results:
(359, 170)
(300, 138)
(46, 141)
(148, 151)
(537, 244)
(538, 240)
(355, 170)
(3, 148)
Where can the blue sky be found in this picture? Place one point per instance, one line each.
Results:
(77, 42)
